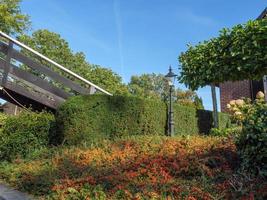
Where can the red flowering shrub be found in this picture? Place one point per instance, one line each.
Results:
(137, 168)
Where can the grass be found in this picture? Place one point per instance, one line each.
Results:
(195, 167)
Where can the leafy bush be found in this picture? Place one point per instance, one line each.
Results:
(92, 118)
(252, 142)
(139, 167)
(87, 119)
(24, 133)
(218, 132)
(2, 119)
(225, 131)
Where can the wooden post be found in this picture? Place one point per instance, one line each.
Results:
(215, 108)
(7, 63)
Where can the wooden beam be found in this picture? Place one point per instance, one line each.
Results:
(35, 80)
(3, 48)
(49, 72)
(26, 102)
(6, 64)
(52, 62)
(51, 101)
(45, 70)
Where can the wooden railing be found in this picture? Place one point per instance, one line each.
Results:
(21, 85)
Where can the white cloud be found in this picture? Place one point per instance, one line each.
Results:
(192, 17)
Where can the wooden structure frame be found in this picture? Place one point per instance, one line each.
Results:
(19, 85)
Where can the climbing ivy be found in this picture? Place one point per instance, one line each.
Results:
(236, 54)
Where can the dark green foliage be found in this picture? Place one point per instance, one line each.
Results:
(236, 54)
(155, 86)
(252, 142)
(24, 134)
(225, 132)
(151, 86)
(2, 119)
(190, 121)
(91, 118)
(86, 119)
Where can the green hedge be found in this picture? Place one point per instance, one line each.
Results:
(190, 121)
(95, 117)
(91, 118)
(25, 133)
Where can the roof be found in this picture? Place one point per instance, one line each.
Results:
(263, 14)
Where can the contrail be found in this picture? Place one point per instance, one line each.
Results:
(119, 32)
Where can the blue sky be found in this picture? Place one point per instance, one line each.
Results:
(139, 36)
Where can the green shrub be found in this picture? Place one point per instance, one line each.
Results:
(219, 132)
(24, 134)
(91, 118)
(2, 120)
(233, 131)
(252, 142)
(190, 121)
(87, 119)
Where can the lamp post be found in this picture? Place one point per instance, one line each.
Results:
(171, 78)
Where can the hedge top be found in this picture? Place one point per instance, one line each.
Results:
(236, 54)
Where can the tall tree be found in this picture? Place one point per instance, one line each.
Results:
(155, 86)
(188, 98)
(12, 20)
(236, 54)
(149, 86)
(107, 79)
(56, 48)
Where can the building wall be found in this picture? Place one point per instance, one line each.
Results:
(234, 90)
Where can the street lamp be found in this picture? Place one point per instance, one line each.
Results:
(171, 78)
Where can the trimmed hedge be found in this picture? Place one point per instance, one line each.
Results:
(85, 119)
(25, 133)
(95, 117)
(190, 121)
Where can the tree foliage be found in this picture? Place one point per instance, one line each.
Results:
(188, 98)
(56, 48)
(149, 86)
(12, 21)
(155, 86)
(236, 54)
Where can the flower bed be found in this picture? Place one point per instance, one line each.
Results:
(136, 168)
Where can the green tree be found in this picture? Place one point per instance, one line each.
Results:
(149, 86)
(188, 98)
(56, 48)
(155, 86)
(238, 53)
(12, 21)
(106, 78)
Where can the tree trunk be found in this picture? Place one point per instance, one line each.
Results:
(215, 108)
